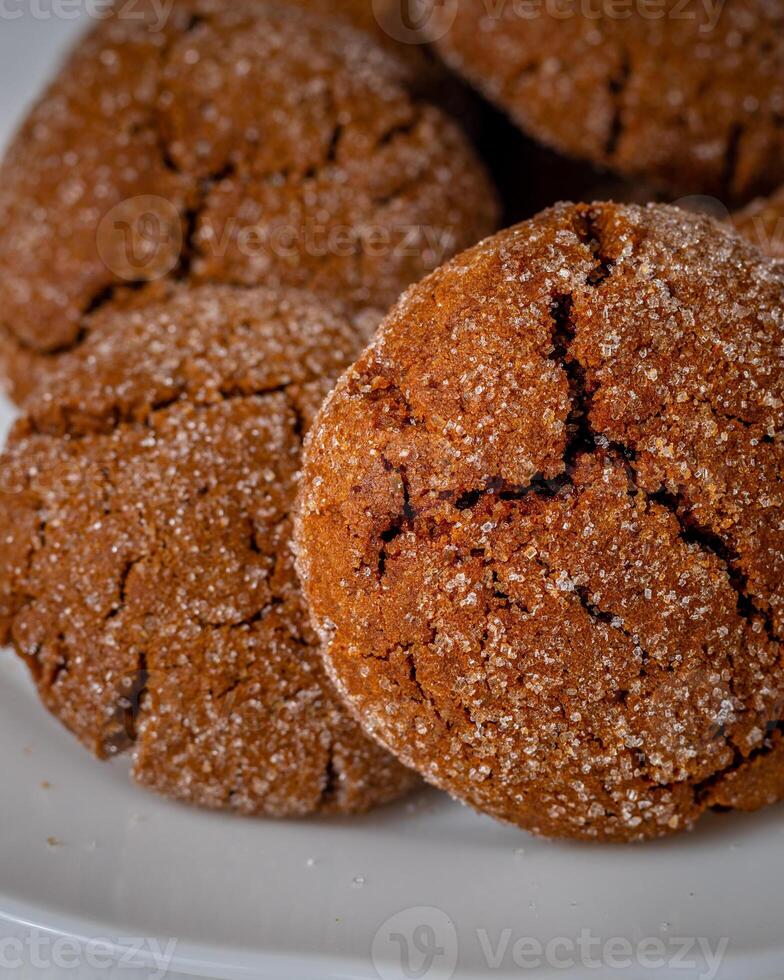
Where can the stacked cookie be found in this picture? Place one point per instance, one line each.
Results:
(147, 574)
(163, 208)
(239, 143)
(535, 551)
(541, 525)
(683, 94)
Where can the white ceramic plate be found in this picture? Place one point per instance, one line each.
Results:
(423, 889)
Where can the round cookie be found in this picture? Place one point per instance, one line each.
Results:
(146, 574)
(541, 524)
(687, 95)
(245, 143)
(762, 222)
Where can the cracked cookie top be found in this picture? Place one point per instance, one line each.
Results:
(244, 143)
(146, 574)
(541, 526)
(689, 94)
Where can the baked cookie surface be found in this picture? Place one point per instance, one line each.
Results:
(541, 525)
(688, 95)
(245, 143)
(386, 21)
(146, 575)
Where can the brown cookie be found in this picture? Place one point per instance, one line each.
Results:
(146, 575)
(377, 18)
(686, 94)
(762, 222)
(386, 22)
(541, 527)
(243, 143)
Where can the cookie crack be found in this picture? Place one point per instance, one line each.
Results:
(692, 532)
(731, 161)
(411, 180)
(400, 129)
(580, 434)
(122, 587)
(426, 696)
(582, 439)
(616, 87)
(592, 238)
(585, 439)
(122, 731)
(331, 780)
(772, 741)
(598, 615)
(100, 299)
(403, 519)
(769, 434)
(143, 415)
(191, 220)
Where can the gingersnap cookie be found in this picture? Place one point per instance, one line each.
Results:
(688, 95)
(762, 222)
(541, 524)
(146, 575)
(244, 143)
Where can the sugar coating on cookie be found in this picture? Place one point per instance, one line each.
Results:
(541, 524)
(146, 575)
(387, 22)
(246, 143)
(684, 93)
